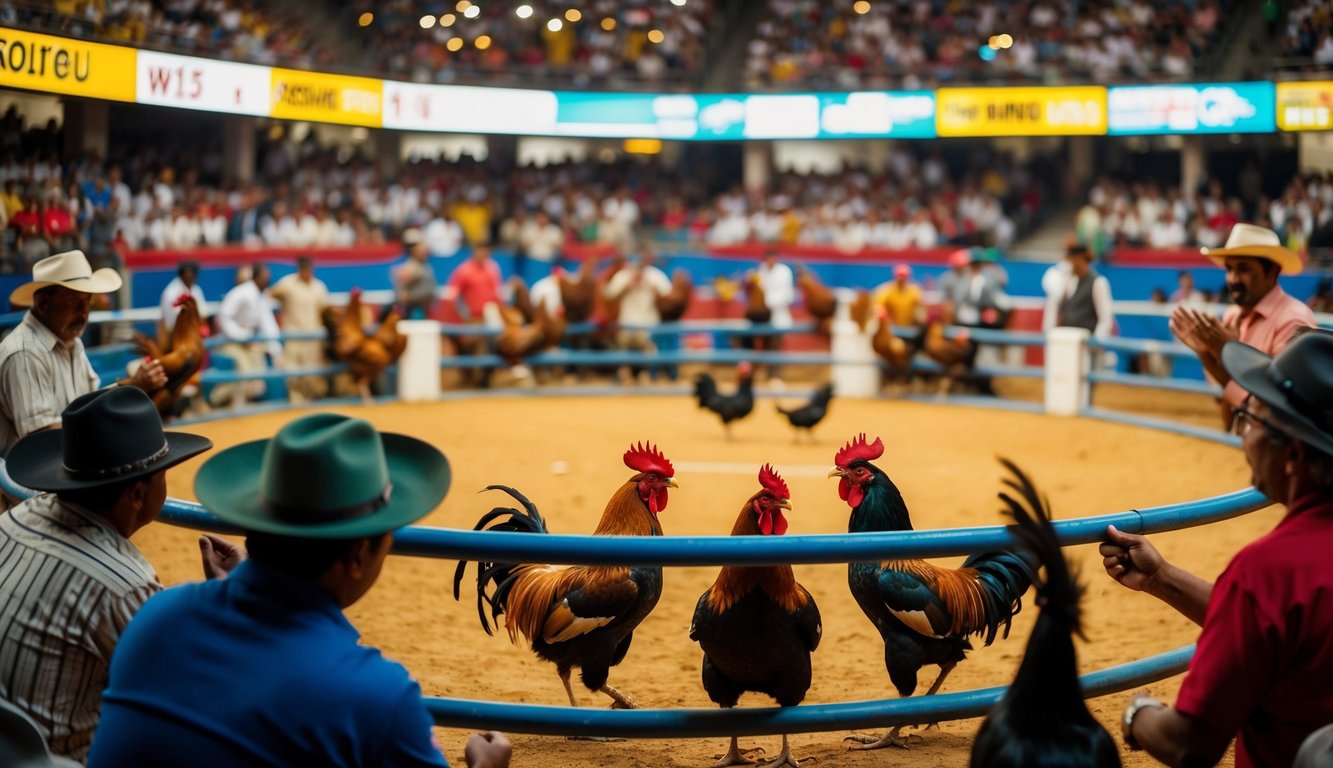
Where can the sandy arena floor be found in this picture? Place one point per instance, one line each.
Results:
(943, 458)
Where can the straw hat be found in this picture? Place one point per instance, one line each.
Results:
(70, 270)
(1256, 242)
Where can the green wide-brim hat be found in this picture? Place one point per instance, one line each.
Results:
(325, 476)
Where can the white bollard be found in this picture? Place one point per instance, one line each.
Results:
(856, 372)
(1067, 366)
(419, 367)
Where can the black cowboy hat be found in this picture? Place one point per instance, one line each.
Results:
(106, 437)
(1297, 384)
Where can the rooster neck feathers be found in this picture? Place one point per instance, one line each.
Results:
(882, 507)
(735, 582)
(627, 515)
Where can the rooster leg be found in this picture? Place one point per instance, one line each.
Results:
(364, 388)
(784, 760)
(569, 689)
(734, 756)
(619, 700)
(945, 669)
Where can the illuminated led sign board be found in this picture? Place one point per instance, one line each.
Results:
(1062, 111)
(1188, 108)
(168, 80)
(63, 65)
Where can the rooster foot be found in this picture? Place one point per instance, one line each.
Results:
(890, 739)
(736, 756)
(618, 699)
(926, 727)
(784, 759)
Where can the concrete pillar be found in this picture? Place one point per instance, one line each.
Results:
(1192, 169)
(1067, 366)
(855, 371)
(86, 127)
(419, 367)
(757, 165)
(388, 152)
(1081, 162)
(239, 150)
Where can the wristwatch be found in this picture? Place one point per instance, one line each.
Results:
(1127, 719)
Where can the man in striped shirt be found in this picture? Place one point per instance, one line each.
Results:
(70, 579)
(43, 365)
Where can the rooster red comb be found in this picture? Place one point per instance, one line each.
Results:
(646, 458)
(858, 449)
(768, 477)
(355, 292)
(181, 299)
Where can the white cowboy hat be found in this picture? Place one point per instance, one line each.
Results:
(70, 270)
(1256, 242)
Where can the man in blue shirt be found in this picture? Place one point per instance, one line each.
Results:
(262, 668)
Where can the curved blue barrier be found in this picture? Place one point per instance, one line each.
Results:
(759, 721)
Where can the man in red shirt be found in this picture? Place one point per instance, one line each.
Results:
(476, 282)
(1263, 667)
(1263, 314)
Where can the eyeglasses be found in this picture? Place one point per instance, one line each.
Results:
(1241, 420)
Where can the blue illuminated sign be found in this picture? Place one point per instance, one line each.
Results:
(1192, 108)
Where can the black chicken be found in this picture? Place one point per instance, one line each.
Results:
(924, 613)
(810, 414)
(756, 625)
(728, 407)
(1042, 721)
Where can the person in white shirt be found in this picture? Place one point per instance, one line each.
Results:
(779, 287)
(185, 281)
(302, 297)
(542, 239)
(636, 288)
(1081, 299)
(442, 235)
(245, 313)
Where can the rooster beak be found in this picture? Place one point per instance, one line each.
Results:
(671, 483)
(785, 504)
(837, 472)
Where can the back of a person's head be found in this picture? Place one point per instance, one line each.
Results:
(300, 558)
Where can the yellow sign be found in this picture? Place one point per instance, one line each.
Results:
(1305, 106)
(298, 95)
(1076, 111)
(61, 65)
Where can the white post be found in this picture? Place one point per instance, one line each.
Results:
(419, 367)
(1067, 367)
(856, 372)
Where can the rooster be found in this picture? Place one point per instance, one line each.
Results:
(582, 616)
(756, 625)
(810, 414)
(671, 306)
(182, 356)
(955, 356)
(731, 407)
(516, 342)
(896, 352)
(1042, 721)
(579, 293)
(520, 306)
(861, 309)
(924, 613)
(819, 300)
(366, 356)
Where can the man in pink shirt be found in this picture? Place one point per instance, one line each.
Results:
(1263, 315)
(474, 284)
(477, 283)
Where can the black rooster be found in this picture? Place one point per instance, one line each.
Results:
(924, 613)
(810, 414)
(756, 625)
(1042, 721)
(731, 407)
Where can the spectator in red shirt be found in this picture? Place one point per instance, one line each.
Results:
(476, 283)
(1261, 669)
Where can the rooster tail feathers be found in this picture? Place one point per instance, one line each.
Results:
(1058, 592)
(501, 575)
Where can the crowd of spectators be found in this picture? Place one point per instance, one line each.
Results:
(594, 44)
(918, 43)
(240, 30)
(1144, 214)
(1308, 35)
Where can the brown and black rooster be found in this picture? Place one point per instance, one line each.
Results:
(1042, 720)
(516, 341)
(672, 305)
(582, 616)
(895, 351)
(924, 613)
(955, 356)
(182, 357)
(756, 625)
(366, 356)
(819, 299)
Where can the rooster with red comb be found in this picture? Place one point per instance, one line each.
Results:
(582, 616)
(756, 625)
(924, 613)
